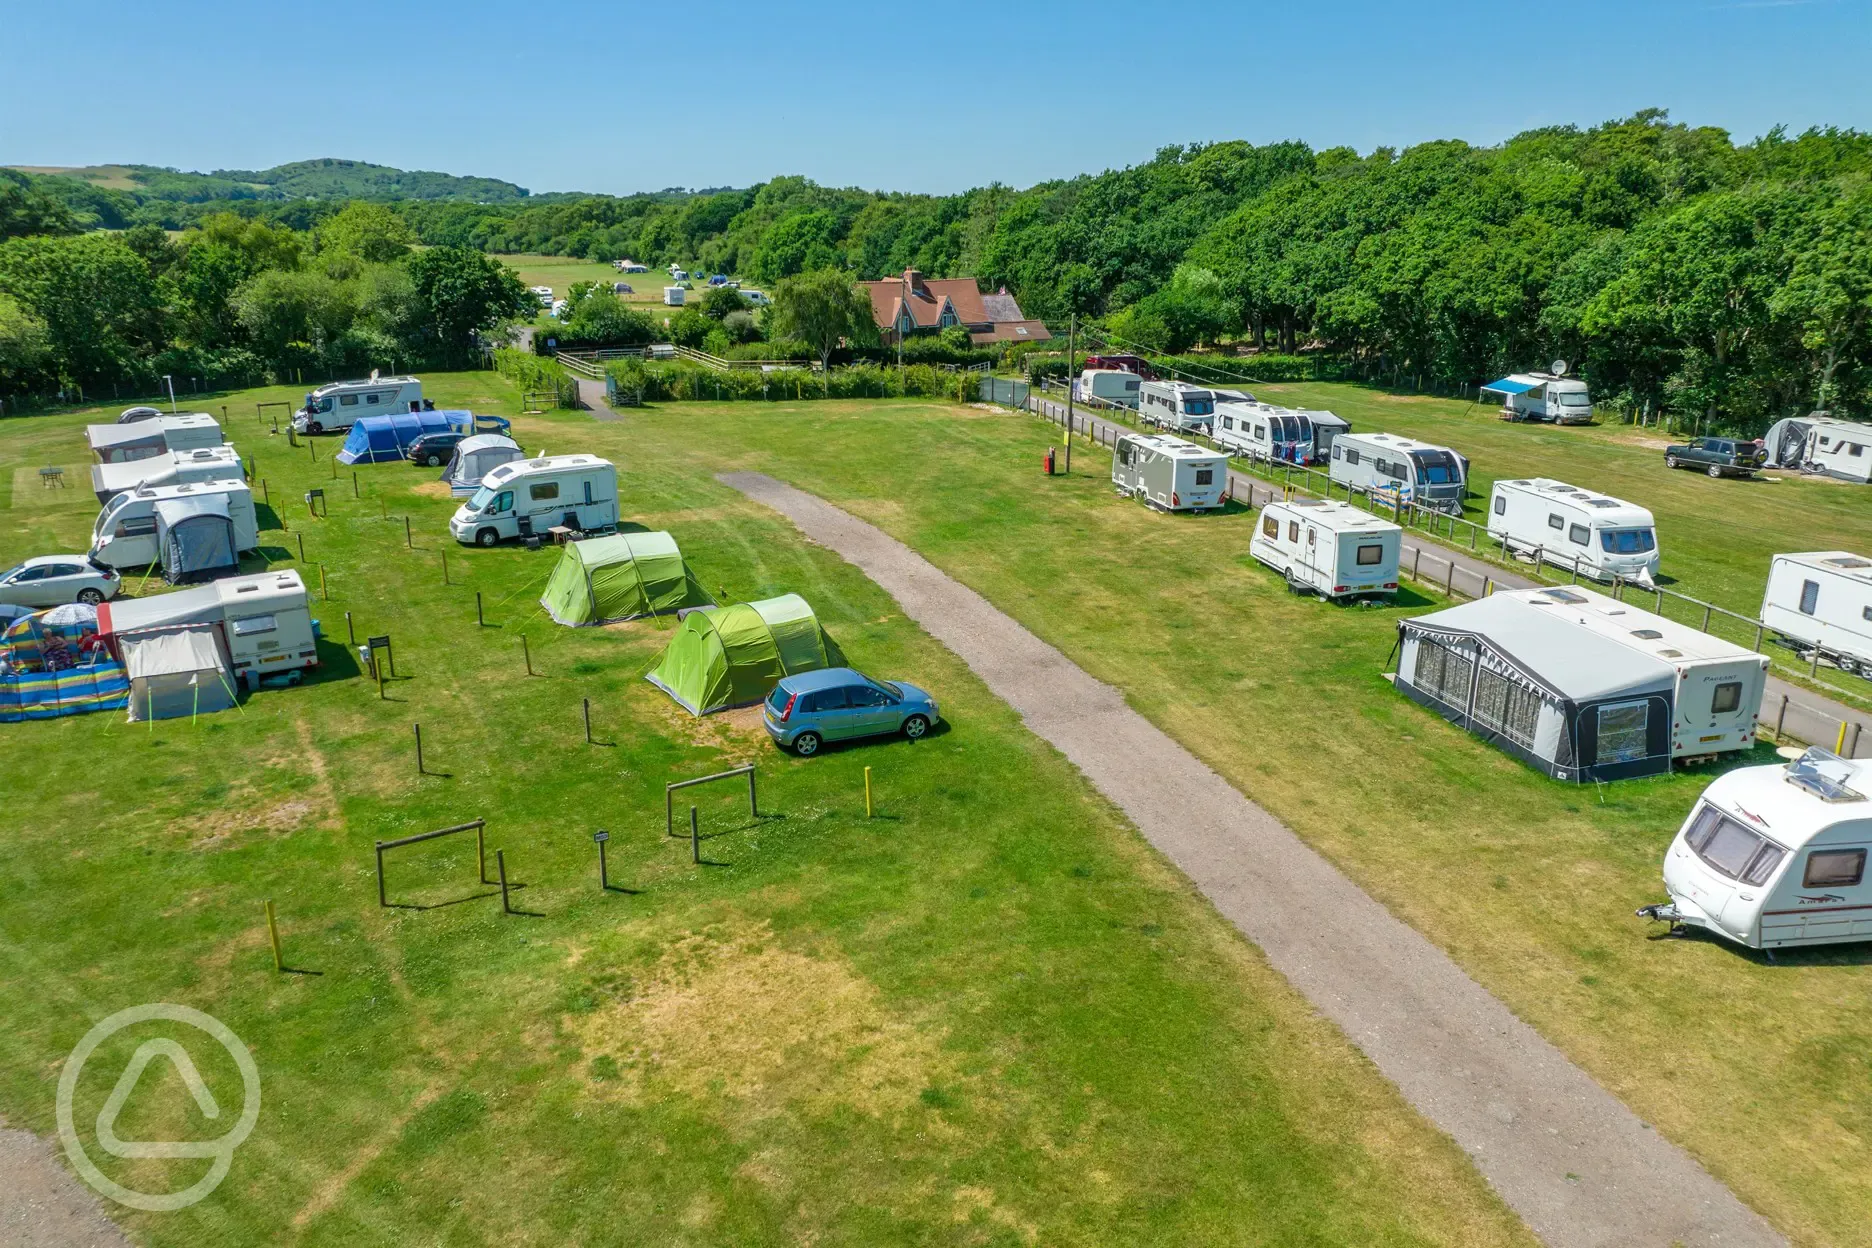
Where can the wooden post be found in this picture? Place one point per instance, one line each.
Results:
(479, 618)
(1852, 746)
(350, 629)
(526, 654)
(500, 861)
(753, 803)
(407, 540)
(604, 875)
(867, 792)
(301, 538)
(383, 509)
(695, 838)
(354, 489)
(445, 579)
(379, 671)
(265, 496)
(587, 702)
(1706, 617)
(1758, 638)
(1813, 667)
(324, 596)
(481, 853)
(272, 926)
(1839, 743)
(381, 899)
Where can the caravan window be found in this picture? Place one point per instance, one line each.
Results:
(371, 400)
(1293, 530)
(1810, 596)
(1270, 526)
(1622, 731)
(136, 526)
(1731, 849)
(1728, 697)
(1556, 522)
(1351, 454)
(253, 625)
(1370, 556)
(1501, 504)
(1627, 541)
(1205, 476)
(543, 491)
(347, 400)
(1834, 868)
(1578, 535)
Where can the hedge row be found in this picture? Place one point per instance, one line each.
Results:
(1207, 370)
(662, 381)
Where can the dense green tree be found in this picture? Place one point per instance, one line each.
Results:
(97, 298)
(462, 294)
(821, 309)
(368, 232)
(720, 302)
(25, 209)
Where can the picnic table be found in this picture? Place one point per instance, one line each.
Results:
(52, 478)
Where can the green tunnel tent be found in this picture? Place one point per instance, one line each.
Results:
(733, 656)
(602, 580)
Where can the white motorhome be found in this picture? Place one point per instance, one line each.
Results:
(208, 463)
(1775, 856)
(1111, 386)
(673, 296)
(1332, 548)
(1603, 537)
(125, 536)
(1823, 600)
(1417, 472)
(1264, 433)
(1543, 396)
(337, 406)
(264, 621)
(528, 497)
(1176, 406)
(144, 439)
(1169, 473)
(756, 297)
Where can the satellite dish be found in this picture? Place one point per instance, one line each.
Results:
(1558, 368)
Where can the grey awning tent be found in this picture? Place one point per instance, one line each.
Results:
(1786, 442)
(477, 456)
(177, 673)
(196, 539)
(1539, 689)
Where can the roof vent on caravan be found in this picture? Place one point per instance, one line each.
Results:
(1848, 561)
(1599, 502)
(1825, 775)
(1649, 634)
(1562, 595)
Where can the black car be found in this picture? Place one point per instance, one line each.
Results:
(1720, 457)
(434, 449)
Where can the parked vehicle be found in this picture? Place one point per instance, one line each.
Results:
(1123, 363)
(1110, 386)
(1264, 433)
(434, 449)
(1820, 443)
(160, 435)
(126, 533)
(1332, 548)
(208, 463)
(1775, 856)
(1169, 473)
(1822, 601)
(544, 294)
(131, 415)
(337, 405)
(1176, 406)
(1604, 537)
(839, 704)
(1720, 457)
(622, 288)
(756, 297)
(678, 275)
(1549, 396)
(1232, 396)
(528, 497)
(264, 620)
(673, 296)
(1417, 472)
(54, 580)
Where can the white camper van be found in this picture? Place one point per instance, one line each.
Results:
(264, 621)
(338, 405)
(1417, 472)
(1543, 396)
(144, 439)
(1169, 473)
(1111, 386)
(1823, 600)
(125, 534)
(528, 497)
(1332, 548)
(1604, 537)
(1176, 406)
(208, 463)
(1776, 856)
(1264, 433)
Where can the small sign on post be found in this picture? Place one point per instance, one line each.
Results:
(383, 643)
(604, 878)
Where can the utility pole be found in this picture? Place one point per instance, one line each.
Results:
(1072, 329)
(903, 310)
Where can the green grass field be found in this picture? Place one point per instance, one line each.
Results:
(989, 1015)
(559, 272)
(1759, 1069)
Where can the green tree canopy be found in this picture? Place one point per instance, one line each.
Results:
(820, 309)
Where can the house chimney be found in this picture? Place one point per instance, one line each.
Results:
(914, 280)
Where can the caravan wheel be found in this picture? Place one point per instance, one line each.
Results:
(486, 537)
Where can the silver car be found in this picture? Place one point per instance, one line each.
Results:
(54, 580)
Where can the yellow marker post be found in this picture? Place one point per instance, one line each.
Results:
(1839, 746)
(322, 594)
(867, 792)
(273, 935)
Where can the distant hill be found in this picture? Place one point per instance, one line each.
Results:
(302, 179)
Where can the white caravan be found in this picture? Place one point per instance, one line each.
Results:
(1840, 448)
(1264, 433)
(673, 296)
(1176, 406)
(338, 405)
(1823, 600)
(1332, 548)
(264, 620)
(143, 439)
(1776, 856)
(125, 536)
(1111, 386)
(1719, 685)
(1417, 472)
(208, 463)
(528, 497)
(1603, 537)
(1169, 473)
(1543, 396)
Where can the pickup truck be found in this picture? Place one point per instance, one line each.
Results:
(1720, 457)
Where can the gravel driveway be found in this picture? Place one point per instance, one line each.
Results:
(42, 1205)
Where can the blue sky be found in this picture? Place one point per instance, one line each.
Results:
(921, 97)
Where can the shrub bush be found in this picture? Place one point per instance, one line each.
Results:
(662, 381)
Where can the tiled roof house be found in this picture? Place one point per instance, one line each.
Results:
(911, 302)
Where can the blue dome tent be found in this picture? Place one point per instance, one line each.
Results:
(380, 439)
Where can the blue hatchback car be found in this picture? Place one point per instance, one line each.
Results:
(836, 704)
